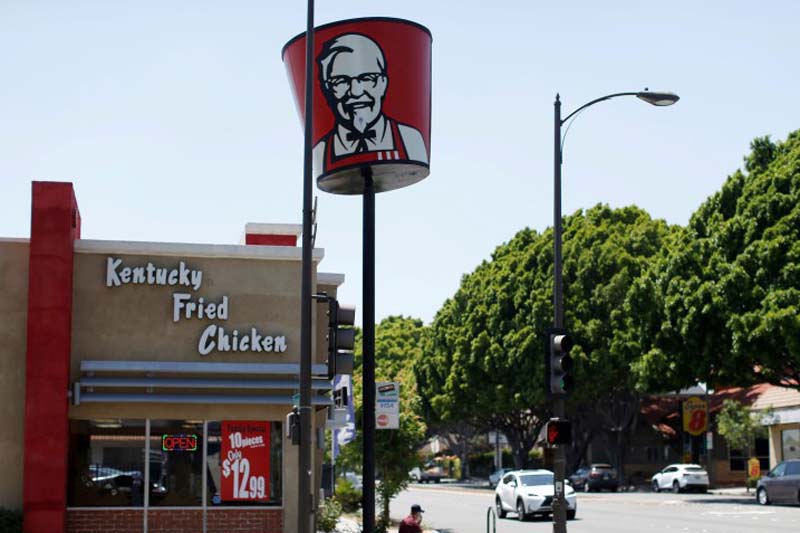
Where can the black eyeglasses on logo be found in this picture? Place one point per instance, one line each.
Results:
(341, 84)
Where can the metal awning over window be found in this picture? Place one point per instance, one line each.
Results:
(192, 383)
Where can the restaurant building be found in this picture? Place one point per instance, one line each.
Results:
(145, 386)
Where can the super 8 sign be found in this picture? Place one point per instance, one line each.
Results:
(754, 468)
(245, 460)
(695, 416)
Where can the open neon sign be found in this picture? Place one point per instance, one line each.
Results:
(179, 443)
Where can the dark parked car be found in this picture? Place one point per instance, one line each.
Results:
(497, 475)
(597, 476)
(781, 484)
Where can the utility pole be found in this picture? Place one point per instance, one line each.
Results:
(305, 502)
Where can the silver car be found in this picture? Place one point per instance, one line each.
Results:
(497, 475)
(680, 477)
(781, 484)
(528, 493)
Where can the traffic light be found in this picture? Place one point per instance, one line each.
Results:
(293, 427)
(341, 337)
(559, 363)
(558, 431)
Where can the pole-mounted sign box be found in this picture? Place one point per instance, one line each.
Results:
(387, 405)
(372, 102)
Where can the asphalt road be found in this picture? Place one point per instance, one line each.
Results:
(463, 510)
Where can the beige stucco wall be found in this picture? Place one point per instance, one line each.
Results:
(135, 322)
(776, 442)
(13, 320)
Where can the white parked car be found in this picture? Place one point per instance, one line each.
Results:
(530, 492)
(681, 477)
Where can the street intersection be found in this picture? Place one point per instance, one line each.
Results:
(455, 509)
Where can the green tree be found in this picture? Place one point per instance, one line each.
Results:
(485, 349)
(485, 358)
(729, 288)
(740, 426)
(606, 252)
(398, 343)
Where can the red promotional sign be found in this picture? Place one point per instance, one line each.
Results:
(245, 460)
(372, 102)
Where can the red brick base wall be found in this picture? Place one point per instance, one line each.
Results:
(90, 521)
(244, 521)
(175, 521)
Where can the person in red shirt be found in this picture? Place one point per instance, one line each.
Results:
(411, 523)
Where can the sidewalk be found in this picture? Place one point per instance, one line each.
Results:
(733, 491)
(347, 525)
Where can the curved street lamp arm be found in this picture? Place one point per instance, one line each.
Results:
(596, 100)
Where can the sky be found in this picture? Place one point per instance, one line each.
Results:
(175, 122)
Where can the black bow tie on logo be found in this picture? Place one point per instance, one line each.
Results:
(361, 138)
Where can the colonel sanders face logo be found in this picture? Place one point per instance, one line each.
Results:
(354, 80)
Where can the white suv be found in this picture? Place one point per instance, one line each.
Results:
(530, 492)
(681, 477)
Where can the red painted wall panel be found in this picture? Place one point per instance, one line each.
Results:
(55, 224)
(271, 240)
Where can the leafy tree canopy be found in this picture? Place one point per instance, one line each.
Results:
(729, 288)
(398, 343)
(485, 358)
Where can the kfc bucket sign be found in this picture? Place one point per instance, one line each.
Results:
(372, 102)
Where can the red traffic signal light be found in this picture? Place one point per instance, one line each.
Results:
(558, 432)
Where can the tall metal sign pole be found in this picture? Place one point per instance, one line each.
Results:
(368, 350)
(559, 464)
(305, 498)
(368, 135)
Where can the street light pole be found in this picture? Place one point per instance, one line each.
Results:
(559, 461)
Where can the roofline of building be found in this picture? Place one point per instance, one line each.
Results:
(330, 278)
(233, 251)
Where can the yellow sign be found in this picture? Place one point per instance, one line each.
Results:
(695, 416)
(754, 468)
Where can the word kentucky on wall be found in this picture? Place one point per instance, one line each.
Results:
(185, 306)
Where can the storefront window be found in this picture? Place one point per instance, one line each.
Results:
(736, 459)
(790, 442)
(760, 450)
(244, 463)
(106, 463)
(176, 463)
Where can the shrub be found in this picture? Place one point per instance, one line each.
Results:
(328, 514)
(535, 458)
(10, 521)
(481, 465)
(382, 524)
(348, 496)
